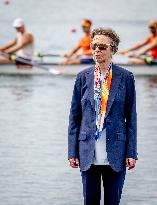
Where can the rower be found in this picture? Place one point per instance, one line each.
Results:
(151, 47)
(22, 45)
(84, 45)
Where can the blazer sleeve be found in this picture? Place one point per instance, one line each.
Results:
(74, 120)
(131, 118)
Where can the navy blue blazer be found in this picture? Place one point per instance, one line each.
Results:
(120, 121)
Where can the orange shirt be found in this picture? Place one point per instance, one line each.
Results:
(85, 44)
(153, 51)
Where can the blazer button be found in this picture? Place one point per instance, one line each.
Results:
(108, 139)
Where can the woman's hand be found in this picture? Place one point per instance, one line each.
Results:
(130, 163)
(74, 163)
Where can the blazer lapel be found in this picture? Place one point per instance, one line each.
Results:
(116, 77)
(90, 85)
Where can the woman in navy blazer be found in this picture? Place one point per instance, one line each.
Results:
(103, 151)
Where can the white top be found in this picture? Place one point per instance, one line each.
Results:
(28, 50)
(100, 157)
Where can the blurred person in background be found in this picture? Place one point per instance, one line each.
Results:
(150, 44)
(22, 45)
(84, 45)
(102, 130)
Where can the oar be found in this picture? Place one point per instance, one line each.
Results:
(41, 55)
(147, 59)
(15, 58)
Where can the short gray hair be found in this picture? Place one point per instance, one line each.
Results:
(109, 33)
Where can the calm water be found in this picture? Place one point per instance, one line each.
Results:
(33, 143)
(34, 110)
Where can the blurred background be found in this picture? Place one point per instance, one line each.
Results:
(34, 109)
(52, 21)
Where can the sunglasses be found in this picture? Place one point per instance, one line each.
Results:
(85, 26)
(101, 47)
(152, 28)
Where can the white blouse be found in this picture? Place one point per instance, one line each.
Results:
(100, 157)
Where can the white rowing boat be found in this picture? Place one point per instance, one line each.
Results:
(44, 69)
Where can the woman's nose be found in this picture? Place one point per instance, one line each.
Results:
(97, 49)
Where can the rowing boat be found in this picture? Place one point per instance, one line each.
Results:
(43, 68)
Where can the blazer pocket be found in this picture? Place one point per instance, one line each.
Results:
(121, 136)
(82, 136)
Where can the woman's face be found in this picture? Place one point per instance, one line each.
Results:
(101, 49)
(86, 29)
(153, 29)
(20, 29)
